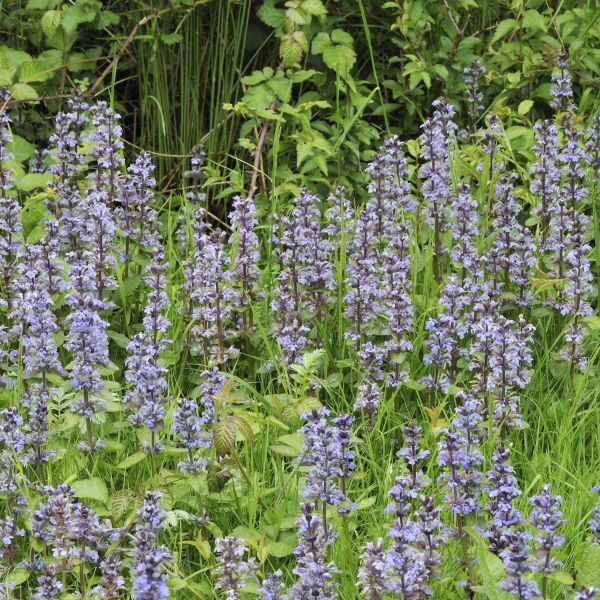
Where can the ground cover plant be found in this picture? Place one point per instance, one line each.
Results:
(300, 381)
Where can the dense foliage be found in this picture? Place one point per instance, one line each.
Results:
(298, 362)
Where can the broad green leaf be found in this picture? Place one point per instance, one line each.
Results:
(175, 583)
(224, 435)
(17, 576)
(118, 338)
(366, 503)
(562, 577)
(31, 181)
(270, 15)
(525, 107)
(532, 19)
(339, 36)
(279, 549)
(314, 8)
(50, 22)
(292, 47)
(121, 502)
(320, 42)
(340, 58)
(21, 149)
(82, 12)
(171, 38)
(13, 58)
(588, 566)
(41, 4)
(23, 91)
(134, 459)
(93, 488)
(503, 28)
(300, 76)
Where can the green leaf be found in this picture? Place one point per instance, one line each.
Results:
(339, 36)
(503, 28)
(320, 42)
(84, 11)
(270, 15)
(279, 549)
(168, 39)
(592, 322)
(23, 91)
(21, 149)
(13, 58)
(118, 338)
(93, 488)
(31, 181)
(134, 459)
(532, 19)
(50, 22)
(292, 47)
(17, 576)
(314, 8)
(337, 51)
(224, 436)
(588, 566)
(366, 503)
(562, 578)
(525, 107)
(41, 4)
(121, 501)
(300, 76)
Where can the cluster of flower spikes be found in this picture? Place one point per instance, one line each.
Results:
(421, 528)
(149, 559)
(558, 182)
(149, 394)
(73, 532)
(306, 279)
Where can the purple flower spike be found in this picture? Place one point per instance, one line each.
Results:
(315, 575)
(547, 519)
(233, 571)
(372, 572)
(562, 91)
(472, 77)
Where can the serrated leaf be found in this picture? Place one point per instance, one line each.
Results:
(23, 91)
(224, 436)
(320, 42)
(132, 460)
(168, 39)
(292, 47)
(121, 502)
(314, 8)
(93, 488)
(270, 15)
(339, 58)
(50, 22)
(307, 404)
(244, 428)
(339, 36)
(532, 19)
